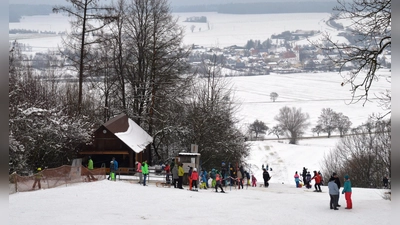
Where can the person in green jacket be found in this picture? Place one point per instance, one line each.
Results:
(145, 171)
(90, 167)
(90, 163)
(347, 192)
(181, 172)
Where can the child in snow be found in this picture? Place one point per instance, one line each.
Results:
(194, 177)
(297, 179)
(253, 181)
(204, 183)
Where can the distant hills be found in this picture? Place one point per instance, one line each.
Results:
(16, 11)
(261, 7)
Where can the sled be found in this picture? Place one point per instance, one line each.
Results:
(163, 184)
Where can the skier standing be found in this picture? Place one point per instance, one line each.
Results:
(266, 178)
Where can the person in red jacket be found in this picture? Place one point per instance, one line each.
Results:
(253, 181)
(194, 177)
(317, 179)
(167, 170)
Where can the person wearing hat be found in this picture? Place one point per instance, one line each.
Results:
(337, 181)
(38, 177)
(347, 191)
(194, 177)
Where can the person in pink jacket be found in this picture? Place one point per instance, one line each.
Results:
(297, 179)
(194, 177)
(139, 170)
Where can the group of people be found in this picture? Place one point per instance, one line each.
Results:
(334, 186)
(334, 191)
(307, 178)
(143, 171)
(113, 169)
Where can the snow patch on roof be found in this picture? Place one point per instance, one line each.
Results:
(135, 137)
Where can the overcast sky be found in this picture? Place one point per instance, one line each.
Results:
(173, 2)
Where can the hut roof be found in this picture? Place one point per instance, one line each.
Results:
(129, 132)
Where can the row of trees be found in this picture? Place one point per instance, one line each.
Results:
(129, 59)
(293, 123)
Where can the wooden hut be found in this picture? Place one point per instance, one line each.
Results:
(120, 137)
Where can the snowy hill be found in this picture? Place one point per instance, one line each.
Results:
(124, 202)
(285, 159)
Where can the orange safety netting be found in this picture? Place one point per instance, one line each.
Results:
(50, 178)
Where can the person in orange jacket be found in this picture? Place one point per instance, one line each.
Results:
(317, 179)
(194, 178)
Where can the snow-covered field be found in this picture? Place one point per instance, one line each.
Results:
(221, 30)
(309, 91)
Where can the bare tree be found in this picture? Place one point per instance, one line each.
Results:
(276, 130)
(86, 14)
(317, 129)
(258, 127)
(156, 62)
(273, 96)
(192, 28)
(210, 121)
(343, 124)
(327, 121)
(292, 121)
(369, 36)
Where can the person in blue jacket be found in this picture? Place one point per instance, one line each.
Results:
(347, 191)
(204, 178)
(114, 167)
